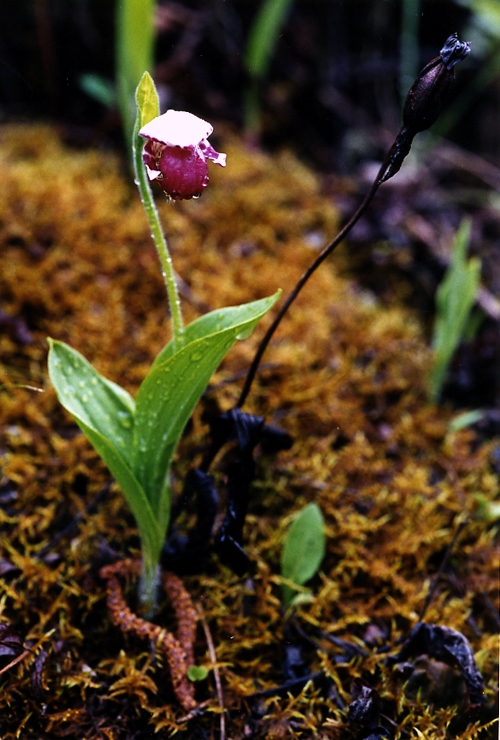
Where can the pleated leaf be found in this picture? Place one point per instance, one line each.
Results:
(173, 387)
(105, 414)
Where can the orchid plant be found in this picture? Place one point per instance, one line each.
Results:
(137, 438)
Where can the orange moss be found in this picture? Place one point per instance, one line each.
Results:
(344, 375)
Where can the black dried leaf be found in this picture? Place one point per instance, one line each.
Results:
(36, 675)
(319, 680)
(235, 424)
(365, 709)
(248, 429)
(229, 543)
(449, 646)
(376, 733)
(11, 644)
(232, 555)
(273, 439)
(188, 554)
(295, 663)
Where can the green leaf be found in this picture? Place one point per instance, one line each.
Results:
(171, 390)
(197, 673)
(455, 298)
(148, 104)
(465, 419)
(105, 414)
(299, 597)
(99, 88)
(487, 511)
(99, 403)
(221, 319)
(303, 550)
(264, 35)
(135, 37)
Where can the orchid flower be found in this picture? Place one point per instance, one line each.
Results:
(176, 153)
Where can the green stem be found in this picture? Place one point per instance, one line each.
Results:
(167, 269)
(148, 585)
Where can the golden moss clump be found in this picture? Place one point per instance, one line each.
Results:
(344, 376)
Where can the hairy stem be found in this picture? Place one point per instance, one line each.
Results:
(148, 586)
(161, 245)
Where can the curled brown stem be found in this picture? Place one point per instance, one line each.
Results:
(178, 651)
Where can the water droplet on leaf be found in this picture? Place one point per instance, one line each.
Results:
(124, 419)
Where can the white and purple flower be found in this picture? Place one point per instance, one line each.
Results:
(176, 153)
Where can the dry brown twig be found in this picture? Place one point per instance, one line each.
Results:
(16, 660)
(178, 651)
(218, 685)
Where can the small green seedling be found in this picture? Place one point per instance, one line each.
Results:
(303, 551)
(454, 300)
(137, 438)
(197, 673)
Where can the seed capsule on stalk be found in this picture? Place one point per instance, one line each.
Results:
(431, 90)
(425, 100)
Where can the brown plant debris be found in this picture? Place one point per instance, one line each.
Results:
(11, 647)
(179, 652)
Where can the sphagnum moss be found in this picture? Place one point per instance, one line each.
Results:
(346, 379)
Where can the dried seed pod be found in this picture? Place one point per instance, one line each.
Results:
(431, 90)
(425, 100)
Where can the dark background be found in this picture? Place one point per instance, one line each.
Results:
(335, 70)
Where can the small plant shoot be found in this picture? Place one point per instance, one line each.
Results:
(261, 44)
(197, 673)
(303, 551)
(134, 53)
(455, 298)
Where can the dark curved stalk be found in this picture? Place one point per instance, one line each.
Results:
(424, 102)
(303, 280)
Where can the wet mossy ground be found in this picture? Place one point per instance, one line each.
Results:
(345, 376)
